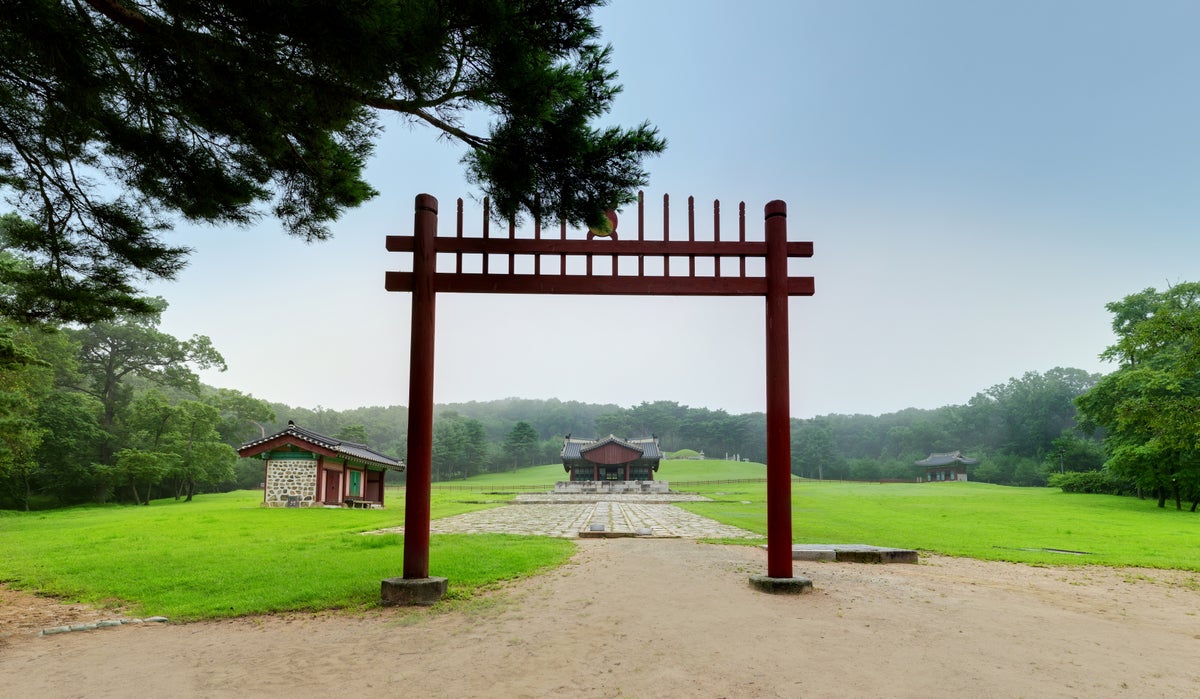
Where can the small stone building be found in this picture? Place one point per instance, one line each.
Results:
(611, 459)
(306, 469)
(948, 466)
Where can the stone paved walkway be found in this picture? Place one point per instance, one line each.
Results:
(623, 517)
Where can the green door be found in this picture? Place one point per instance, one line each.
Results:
(355, 483)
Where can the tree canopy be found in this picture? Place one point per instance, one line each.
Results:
(119, 118)
(1150, 407)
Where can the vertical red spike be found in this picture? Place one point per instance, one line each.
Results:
(717, 234)
(512, 233)
(666, 217)
(562, 235)
(537, 235)
(458, 233)
(487, 229)
(666, 233)
(641, 215)
(742, 237)
(641, 225)
(691, 218)
(691, 234)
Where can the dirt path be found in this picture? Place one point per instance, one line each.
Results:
(672, 618)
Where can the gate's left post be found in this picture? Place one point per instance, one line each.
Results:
(416, 587)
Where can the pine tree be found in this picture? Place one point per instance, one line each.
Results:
(118, 117)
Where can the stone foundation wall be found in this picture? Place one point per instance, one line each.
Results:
(612, 487)
(291, 478)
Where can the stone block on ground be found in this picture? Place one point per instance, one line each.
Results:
(412, 591)
(781, 586)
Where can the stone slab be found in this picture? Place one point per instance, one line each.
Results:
(806, 554)
(852, 553)
(584, 498)
(592, 534)
(412, 591)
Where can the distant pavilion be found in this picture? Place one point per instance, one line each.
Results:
(948, 466)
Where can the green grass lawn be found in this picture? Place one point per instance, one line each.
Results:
(223, 555)
(977, 520)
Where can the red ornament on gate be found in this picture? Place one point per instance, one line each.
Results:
(609, 231)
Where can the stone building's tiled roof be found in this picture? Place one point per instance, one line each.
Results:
(351, 450)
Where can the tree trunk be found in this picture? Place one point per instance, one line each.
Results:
(103, 490)
(191, 488)
(27, 491)
(137, 500)
(1178, 504)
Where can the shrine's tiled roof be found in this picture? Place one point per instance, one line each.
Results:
(574, 448)
(947, 458)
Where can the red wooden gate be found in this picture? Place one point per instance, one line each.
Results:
(425, 282)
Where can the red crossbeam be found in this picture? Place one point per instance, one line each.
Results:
(597, 284)
(623, 248)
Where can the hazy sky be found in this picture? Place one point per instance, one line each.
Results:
(978, 178)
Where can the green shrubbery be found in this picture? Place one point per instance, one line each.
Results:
(1094, 482)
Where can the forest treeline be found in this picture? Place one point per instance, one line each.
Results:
(115, 410)
(1017, 429)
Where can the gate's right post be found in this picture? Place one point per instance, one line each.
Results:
(779, 427)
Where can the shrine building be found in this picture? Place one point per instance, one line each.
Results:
(306, 469)
(611, 459)
(948, 466)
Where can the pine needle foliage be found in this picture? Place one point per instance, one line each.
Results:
(118, 118)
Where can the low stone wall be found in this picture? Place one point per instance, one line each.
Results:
(291, 478)
(611, 487)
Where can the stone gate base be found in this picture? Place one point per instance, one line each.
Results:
(412, 591)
